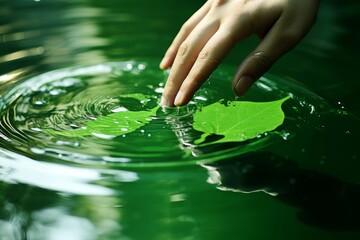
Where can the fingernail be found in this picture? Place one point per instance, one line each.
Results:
(178, 99)
(243, 85)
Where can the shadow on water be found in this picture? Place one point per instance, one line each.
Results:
(323, 200)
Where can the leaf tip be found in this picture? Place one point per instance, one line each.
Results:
(285, 98)
(201, 139)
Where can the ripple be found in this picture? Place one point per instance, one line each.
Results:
(66, 99)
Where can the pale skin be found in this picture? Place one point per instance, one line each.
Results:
(210, 33)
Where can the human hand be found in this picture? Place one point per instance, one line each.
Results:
(208, 36)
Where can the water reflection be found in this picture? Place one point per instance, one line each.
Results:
(53, 216)
(157, 209)
(51, 37)
(323, 200)
(16, 168)
(22, 54)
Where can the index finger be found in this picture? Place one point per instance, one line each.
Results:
(207, 61)
(184, 32)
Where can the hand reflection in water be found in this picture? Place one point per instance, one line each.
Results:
(323, 200)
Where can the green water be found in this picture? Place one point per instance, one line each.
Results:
(63, 64)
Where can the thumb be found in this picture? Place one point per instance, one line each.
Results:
(251, 70)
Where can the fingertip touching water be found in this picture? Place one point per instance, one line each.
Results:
(103, 113)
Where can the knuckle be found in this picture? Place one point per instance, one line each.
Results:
(182, 49)
(206, 55)
(186, 27)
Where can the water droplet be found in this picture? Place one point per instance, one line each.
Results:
(141, 66)
(40, 103)
(119, 109)
(285, 135)
(129, 66)
(312, 109)
(36, 129)
(341, 105)
(73, 126)
(55, 92)
(302, 103)
(102, 136)
(67, 143)
(159, 90)
(201, 98)
(37, 150)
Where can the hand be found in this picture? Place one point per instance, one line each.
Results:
(209, 35)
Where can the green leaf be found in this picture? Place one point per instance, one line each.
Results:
(240, 121)
(114, 124)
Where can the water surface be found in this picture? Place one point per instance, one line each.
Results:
(63, 64)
